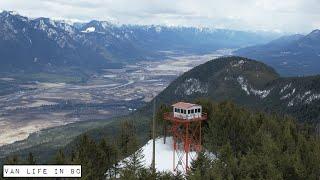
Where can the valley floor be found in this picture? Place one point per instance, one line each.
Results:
(112, 93)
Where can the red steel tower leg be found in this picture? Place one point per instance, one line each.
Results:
(187, 138)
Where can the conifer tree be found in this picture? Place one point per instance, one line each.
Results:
(200, 167)
(12, 160)
(30, 159)
(60, 158)
(161, 123)
(126, 133)
(134, 163)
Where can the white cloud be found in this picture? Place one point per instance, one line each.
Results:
(285, 15)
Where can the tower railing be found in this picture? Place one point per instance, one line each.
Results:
(169, 116)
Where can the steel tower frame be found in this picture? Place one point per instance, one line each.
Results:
(187, 137)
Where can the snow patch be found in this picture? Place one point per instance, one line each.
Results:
(262, 94)
(163, 154)
(89, 30)
(301, 98)
(312, 98)
(285, 88)
(246, 87)
(288, 95)
(290, 103)
(106, 25)
(13, 13)
(127, 36)
(42, 25)
(7, 79)
(158, 29)
(53, 23)
(67, 28)
(192, 86)
(238, 64)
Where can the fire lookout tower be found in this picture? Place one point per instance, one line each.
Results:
(185, 120)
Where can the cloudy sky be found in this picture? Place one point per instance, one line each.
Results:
(272, 15)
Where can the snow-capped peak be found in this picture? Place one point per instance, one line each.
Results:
(7, 13)
(14, 13)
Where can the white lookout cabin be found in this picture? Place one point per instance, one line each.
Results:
(183, 110)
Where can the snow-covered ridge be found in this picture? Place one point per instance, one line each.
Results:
(115, 23)
(192, 86)
(158, 28)
(250, 90)
(56, 30)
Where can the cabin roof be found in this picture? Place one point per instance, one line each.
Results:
(184, 105)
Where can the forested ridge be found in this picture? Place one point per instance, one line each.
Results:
(247, 145)
(249, 83)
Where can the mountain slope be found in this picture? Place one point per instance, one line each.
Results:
(294, 55)
(42, 44)
(156, 38)
(298, 96)
(45, 44)
(250, 83)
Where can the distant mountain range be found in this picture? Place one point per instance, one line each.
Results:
(249, 83)
(295, 55)
(42, 43)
